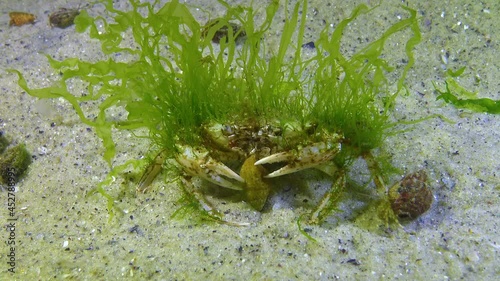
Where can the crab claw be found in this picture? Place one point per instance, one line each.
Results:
(199, 163)
(302, 158)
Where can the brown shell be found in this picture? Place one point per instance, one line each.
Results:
(223, 31)
(257, 188)
(63, 17)
(21, 18)
(411, 197)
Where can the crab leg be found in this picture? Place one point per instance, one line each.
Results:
(152, 171)
(303, 158)
(329, 200)
(199, 163)
(206, 207)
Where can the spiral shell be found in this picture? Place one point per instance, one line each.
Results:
(411, 197)
(63, 17)
(21, 18)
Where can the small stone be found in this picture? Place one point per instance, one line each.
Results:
(309, 45)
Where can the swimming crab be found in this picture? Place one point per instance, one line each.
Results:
(253, 148)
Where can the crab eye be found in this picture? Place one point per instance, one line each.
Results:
(310, 128)
(227, 130)
(277, 132)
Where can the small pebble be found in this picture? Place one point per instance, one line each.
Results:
(309, 45)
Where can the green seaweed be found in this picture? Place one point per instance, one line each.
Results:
(13, 164)
(352, 105)
(485, 105)
(4, 142)
(177, 80)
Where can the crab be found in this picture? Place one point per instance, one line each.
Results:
(261, 151)
(252, 147)
(270, 150)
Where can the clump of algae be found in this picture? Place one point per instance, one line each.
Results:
(4, 142)
(462, 98)
(179, 79)
(13, 164)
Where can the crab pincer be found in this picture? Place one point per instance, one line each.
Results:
(302, 158)
(199, 163)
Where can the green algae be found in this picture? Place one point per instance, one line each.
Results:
(460, 97)
(4, 142)
(456, 95)
(13, 164)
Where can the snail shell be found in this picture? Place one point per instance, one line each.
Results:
(63, 17)
(21, 18)
(411, 197)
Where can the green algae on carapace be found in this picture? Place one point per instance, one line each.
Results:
(179, 84)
